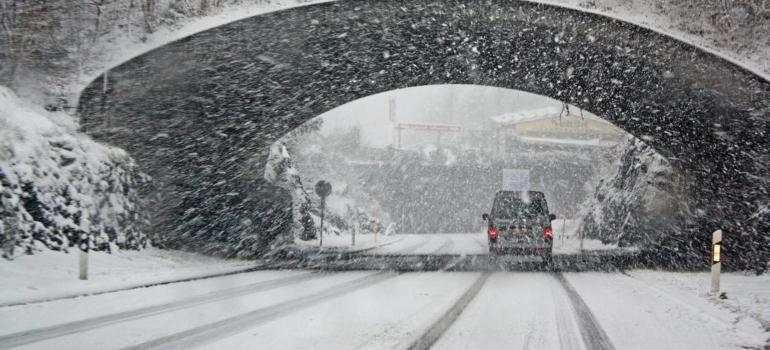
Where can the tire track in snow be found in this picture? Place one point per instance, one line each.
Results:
(410, 249)
(566, 324)
(447, 246)
(593, 335)
(45, 333)
(208, 333)
(484, 245)
(434, 333)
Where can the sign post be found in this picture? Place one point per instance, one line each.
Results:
(716, 260)
(322, 189)
(563, 229)
(515, 180)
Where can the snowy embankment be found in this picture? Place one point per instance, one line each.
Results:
(744, 294)
(688, 317)
(660, 17)
(57, 184)
(119, 46)
(52, 275)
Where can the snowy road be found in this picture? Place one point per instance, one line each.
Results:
(433, 244)
(375, 310)
(566, 241)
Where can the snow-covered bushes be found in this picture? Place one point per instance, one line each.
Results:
(641, 202)
(352, 219)
(54, 183)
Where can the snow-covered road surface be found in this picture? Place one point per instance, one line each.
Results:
(566, 241)
(382, 310)
(434, 244)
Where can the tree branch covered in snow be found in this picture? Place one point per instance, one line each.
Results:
(46, 44)
(53, 180)
(279, 171)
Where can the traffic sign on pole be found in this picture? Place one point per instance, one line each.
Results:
(515, 180)
(322, 189)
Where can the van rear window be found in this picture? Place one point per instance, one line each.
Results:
(514, 205)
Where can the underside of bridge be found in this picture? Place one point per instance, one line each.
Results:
(199, 114)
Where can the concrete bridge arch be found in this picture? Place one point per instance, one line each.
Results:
(195, 112)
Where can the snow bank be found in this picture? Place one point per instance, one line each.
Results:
(119, 47)
(51, 275)
(743, 294)
(753, 54)
(56, 184)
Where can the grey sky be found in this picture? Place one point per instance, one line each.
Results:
(438, 104)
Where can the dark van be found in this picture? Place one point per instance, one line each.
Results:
(520, 223)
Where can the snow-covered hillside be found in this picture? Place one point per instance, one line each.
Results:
(57, 184)
(737, 30)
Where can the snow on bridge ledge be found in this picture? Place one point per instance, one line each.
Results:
(123, 49)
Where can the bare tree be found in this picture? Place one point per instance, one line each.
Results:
(148, 10)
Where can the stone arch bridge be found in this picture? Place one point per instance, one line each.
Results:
(198, 114)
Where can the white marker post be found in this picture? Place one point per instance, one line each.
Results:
(84, 241)
(563, 229)
(716, 260)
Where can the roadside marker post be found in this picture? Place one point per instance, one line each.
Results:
(563, 229)
(716, 260)
(83, 245)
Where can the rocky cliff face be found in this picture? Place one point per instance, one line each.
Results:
(279, 171)
(644, 200)
(57, 184)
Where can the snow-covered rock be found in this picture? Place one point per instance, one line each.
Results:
(640, 203)
(279, 171)
(56, 184)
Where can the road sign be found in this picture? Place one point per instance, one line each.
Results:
(515, 179)
(322, 189)
(429, 127)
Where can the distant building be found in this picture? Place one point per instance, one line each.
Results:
(549, 128)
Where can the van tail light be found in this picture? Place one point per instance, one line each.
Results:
(548, 233)
(492, 232)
